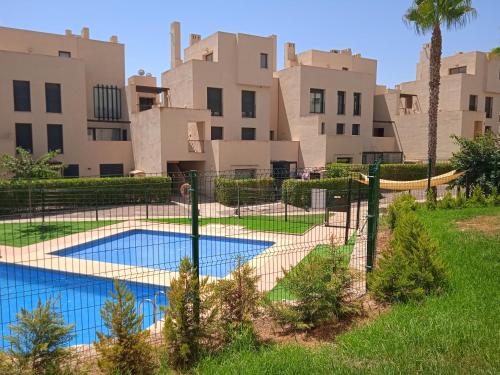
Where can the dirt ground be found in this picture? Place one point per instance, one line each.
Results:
(489, 225)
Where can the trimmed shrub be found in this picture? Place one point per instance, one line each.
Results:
(321, 287)
(249, 190)
(126, 350)
(402, 204)
(411, 268)
(64, 193)
(298, 192)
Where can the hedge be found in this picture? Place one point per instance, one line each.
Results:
(298, 192)
(249, 190)
(64, 193)
(396, 172)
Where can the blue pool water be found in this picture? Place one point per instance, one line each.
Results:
(79, 298)
(164, 250)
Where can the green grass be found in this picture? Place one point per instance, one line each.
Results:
(22, 234)
(280, 292)
(296, 224)
(455, 333)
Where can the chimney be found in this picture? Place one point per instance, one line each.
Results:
(113, 39)
(85, 33)
(175, 44)
(194, 38)
(68, 32)
(290, 56)
(274, 39)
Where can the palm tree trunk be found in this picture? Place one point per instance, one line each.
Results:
(434, 81)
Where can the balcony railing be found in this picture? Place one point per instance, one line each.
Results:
(196, 145)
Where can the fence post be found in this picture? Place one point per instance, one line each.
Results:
(358, 209)
(285, 192)
(373, 201)
(348, 212)
(195, 241)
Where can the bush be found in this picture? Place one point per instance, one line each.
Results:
(184, 334)
(477, 198)
(126, 350)
(447, 202)
(411, 268)
(64, 193)
(402, 204)
(321, 287)
(237, 298)
(249, 190)
(430, 199)
(40, 337)
(298, 192)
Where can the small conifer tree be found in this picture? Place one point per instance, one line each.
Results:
(126, 350)
(403, 203)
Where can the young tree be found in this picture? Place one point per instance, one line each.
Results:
(40, 337)
(428, 16)
(24, 166)
(126, 350)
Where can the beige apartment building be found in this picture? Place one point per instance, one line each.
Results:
(469, 103)
(65, 92)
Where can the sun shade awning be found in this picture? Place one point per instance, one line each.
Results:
(414, 184)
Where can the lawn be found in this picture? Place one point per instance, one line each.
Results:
(296, 224)
(279, 292)
(456, 333)
(22, 234)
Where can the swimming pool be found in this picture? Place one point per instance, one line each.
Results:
(164, 250)
(80, 298)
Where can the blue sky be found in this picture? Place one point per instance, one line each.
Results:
(373, 28)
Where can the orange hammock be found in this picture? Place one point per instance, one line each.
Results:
(414, 184)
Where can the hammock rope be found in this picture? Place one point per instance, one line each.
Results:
(442, 179)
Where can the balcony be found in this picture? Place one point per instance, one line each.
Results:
(196, 146)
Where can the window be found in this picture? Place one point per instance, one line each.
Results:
(340, 102)
(248, 134)
(472, 102)
(357, 104)
(394, 157)
(53, 97)
(378, 132)
(22, 96)
(355, 129)
(111, 170)
(488, 106)
(245, 173)
(209, 56)
(145, 103)
(55, 137)
(214, 100)
(317, 101)
(263, 61)
(322, 129)
(457, 70)
(65, 54)
(340, 129)
(71, 171)
(217, 133)
(24, 137)
(271, 135)
(106, 134)
(248, 104)
(107, 102)
(345, 68)
(344, 159)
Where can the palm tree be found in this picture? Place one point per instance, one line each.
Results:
(428, 16)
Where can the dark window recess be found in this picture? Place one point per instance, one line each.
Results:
(214, 100)
(322, 128)
(340, 129)
(124, 135)
(22, 96)
(264, 61)
(248, 104)
(345, 68)
(340, 102)
(317, 101)
(394, 157)
(488, 106)
(457, 70)
(378, 132)
(55, 137)
(146, 103)
(357, 104)
(53, 97)
(355, 129)
(66, 54)
(111, 170)
(344, 159)
(71, 171)
(472, 102)
(209, 56)
(271, 135)
(24, 137)
(244, 173)
(107, 102)
(248, 134)
(216, 133)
